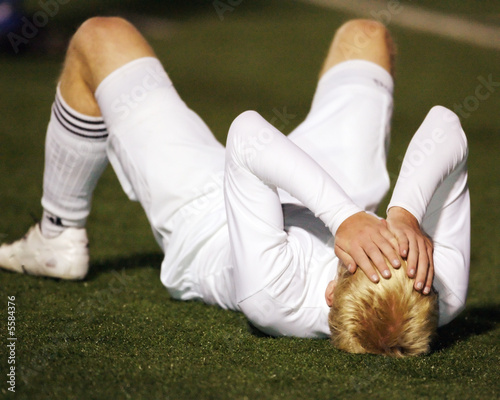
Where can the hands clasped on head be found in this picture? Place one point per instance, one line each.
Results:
(366, 241)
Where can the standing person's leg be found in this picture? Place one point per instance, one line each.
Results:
(347, 129)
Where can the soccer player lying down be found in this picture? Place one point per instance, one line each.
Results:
(262, 225)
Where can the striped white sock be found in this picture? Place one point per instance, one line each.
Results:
(75, 157)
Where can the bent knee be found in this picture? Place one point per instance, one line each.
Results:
(103, 44)
(355, 28)
(362, 39)
(99, 31)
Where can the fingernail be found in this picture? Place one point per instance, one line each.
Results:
(412, 271)
(404, 252)
(396, 263)
(386, 274)
(350, 268)
(427, 290)
(375, 278)
(420, 285)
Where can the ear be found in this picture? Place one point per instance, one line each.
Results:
(329, 292)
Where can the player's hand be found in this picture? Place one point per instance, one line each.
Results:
(414, 245)
(364, 241)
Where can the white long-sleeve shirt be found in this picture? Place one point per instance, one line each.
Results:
(274, 260)
(432, 185)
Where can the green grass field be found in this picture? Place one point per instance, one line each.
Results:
(118, 334)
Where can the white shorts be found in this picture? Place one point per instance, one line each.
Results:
(347, 129)
(162, 152)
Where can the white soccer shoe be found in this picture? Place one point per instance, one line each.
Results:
(65, 256)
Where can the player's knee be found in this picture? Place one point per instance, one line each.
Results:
(103, 23)
(97, 32)
(355, 29)
(110, 38)
(359, 38)
(103, 44)
(362, 39)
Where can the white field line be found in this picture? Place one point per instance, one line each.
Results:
(407, 16)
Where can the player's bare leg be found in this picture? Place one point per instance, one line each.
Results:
(363, 40)
(100, 46)
(75, 152)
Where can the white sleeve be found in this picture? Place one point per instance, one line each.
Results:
(437, 148)
(266, 153)
(259, 159)
(432, 185)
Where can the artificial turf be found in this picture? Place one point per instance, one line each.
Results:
(118, 334)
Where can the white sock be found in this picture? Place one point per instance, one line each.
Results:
(75, 157)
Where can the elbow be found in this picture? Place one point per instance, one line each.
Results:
(447, 124)
(248, 135)
(449, 313)
(244, 124)
(261, 313)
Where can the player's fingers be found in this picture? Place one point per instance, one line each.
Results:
(346, 259)
(412, 258)
(389, 252)
(364, 263)
(372, 252)
(430, 273)
(423, 266)
(403, 244)
(390, 237)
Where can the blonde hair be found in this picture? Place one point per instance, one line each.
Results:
(389, 317)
